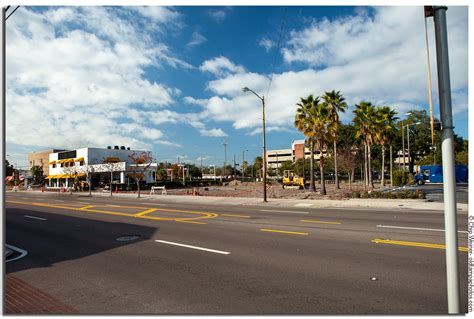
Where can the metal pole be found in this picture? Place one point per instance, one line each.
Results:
(429, 86)
(225, 157)
(447, 147)
(403, 148)
(243, 165)
(264, 152)
(391, 167)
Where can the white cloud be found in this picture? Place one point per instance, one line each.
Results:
(221, 66)
(196, 39)
(218, 15)
(266, 43)
(68, 86)
(379, 58)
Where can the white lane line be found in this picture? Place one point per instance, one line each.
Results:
(282, 211)
(84, 202)
(156, 204)
(22, 252)
(415, 228)
(39, 199)
(194, 247)
(57, 200)
(34, 217)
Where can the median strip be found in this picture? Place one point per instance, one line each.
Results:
(319, 222)
(193, 247)
(283, 231)
(414, 244)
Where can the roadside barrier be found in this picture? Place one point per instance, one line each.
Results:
(158, 188)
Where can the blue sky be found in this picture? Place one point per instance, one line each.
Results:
(169, 79)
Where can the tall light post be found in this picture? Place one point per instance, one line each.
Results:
(243, 166)
(246, 89)
(447, 147)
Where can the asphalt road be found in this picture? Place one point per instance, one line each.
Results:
(191, 259)
(435, 192)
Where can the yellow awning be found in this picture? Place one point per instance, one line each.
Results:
(66, 160)
(112, 160)
(50, 176)
(79, 159)
(52, 162)
(81, 175)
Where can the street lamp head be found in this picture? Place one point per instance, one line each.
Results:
(245, 89)
(408, 113)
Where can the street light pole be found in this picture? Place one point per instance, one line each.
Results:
(447, 147)
(403, 146)
(246, 89)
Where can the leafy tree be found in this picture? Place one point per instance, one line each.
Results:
(304, 122)
(9, 170)
(285, 166)
(335, 103)
(38, 174)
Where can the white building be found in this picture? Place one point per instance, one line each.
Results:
(66, 166)
(276, 157)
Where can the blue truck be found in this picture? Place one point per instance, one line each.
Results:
(434, 174)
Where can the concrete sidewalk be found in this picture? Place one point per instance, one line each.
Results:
(415, 204)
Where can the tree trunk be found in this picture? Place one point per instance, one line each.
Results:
(89, 182)
(369, 161)
(111, 178)
(383, 166)
(335, 165)
(312, 186)
(138, 187)
(351, 172)
(366, 180)
(322, 190)
(353, 175)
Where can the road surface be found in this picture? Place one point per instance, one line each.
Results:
(122, 256)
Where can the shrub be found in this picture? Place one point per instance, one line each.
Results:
(402, 177)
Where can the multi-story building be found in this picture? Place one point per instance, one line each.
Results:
(100, 163)
(41, 158)
(298, 149)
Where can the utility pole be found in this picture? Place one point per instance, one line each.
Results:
(243, 165)
(235, 172)
(201, 167)
(225, 155)
(403, 146)
(447, 147)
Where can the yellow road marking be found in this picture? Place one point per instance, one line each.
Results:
(151, 210)
(190, 222)
(414, 244)
(319, 222)
(86, 207)
(208, 215)
(232, 215)
(283, 231)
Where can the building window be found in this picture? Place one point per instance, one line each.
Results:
(54, 165)
(81, 163)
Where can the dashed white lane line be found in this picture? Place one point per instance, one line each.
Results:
(84, 202)
(193, 247)
(156, 204)
(22, 252)
(282, 211)
(416, 228)
(57, 200)
(34, 217)
(112, 205)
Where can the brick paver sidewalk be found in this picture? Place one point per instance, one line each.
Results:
(22, 298)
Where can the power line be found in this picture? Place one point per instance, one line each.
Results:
(10, 13)
(283, 19)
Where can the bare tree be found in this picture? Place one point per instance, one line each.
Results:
(348, 159)
(142, 161)
(112, 164)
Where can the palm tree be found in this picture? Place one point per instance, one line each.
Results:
(336, 103)
(303, 122)
(366, 124)
(385, 133)
(321, 122)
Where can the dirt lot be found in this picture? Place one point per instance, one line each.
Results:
(274, 190)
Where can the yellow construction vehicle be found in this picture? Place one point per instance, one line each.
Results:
(290, 179)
